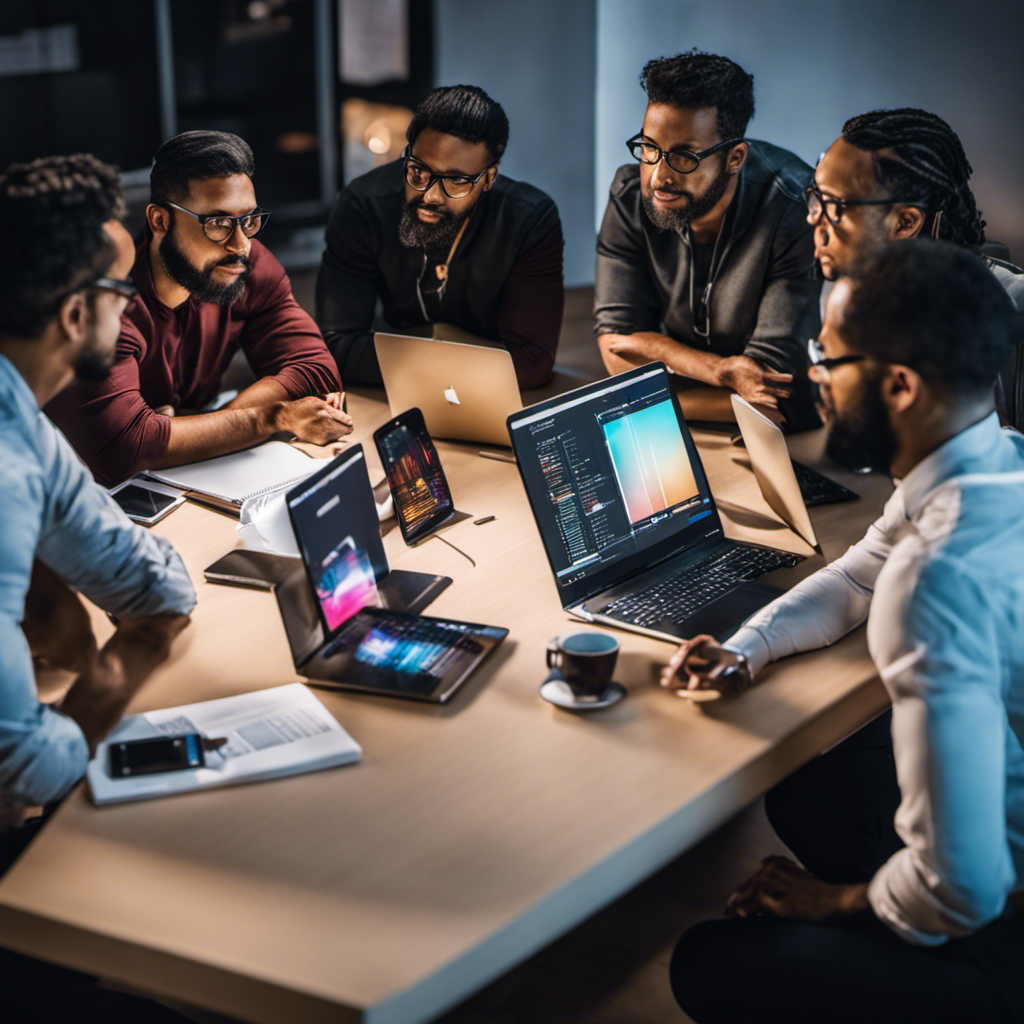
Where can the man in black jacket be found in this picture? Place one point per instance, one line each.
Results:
(440, 237)
(705, 258)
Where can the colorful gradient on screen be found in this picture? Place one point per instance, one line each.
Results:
(650, 459)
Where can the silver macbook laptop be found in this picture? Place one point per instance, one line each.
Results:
(627, 518)
(465, 392)
(788, 486)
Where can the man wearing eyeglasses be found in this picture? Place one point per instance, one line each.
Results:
(908, 903)
(704, 259)
(439, 236)
(206, 289)
(893, 175)
(64, 265)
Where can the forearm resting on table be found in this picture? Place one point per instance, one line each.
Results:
(649, 346)
(98, 697)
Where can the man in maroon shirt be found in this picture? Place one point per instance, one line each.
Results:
(206, 289)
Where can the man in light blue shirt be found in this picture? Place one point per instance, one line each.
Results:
(64, 260)
(906, 907)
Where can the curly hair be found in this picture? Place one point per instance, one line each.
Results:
(927, 163)
(697, 80)
(466, 112)
(52, 213)
(932, 306)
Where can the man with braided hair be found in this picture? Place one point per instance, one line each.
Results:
(64, 265)
(892, 175)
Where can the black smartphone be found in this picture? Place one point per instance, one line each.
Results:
(159, 754)
(417, 481)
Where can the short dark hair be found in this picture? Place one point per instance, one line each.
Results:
(932, 306)
(697, 80)
(466, 112)
(193, 156)
(928, 163)
(52, 213)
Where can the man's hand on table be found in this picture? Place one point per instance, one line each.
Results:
(702, 669)
(316, 420)
(781, 888)
(753, 382)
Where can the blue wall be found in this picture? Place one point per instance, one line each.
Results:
(537, 59)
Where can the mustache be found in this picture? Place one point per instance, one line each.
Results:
(415, 204)
(234, 261)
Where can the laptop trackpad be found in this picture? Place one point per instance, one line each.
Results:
(725, 615)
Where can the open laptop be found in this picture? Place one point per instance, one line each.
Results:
(626, 515)
(779, 476)
(334, 517)
(466, 392)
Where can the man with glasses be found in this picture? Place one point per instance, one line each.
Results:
(439, 236)
(206, 289)
(893, 175)
(704, 258)
(64, 263)
(908, 904)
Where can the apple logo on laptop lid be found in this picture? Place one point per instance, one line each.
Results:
(450, 396)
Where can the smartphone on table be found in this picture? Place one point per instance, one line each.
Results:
(144, 501)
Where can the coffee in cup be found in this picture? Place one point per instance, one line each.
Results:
(585, 659)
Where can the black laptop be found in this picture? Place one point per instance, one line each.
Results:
(626, 515)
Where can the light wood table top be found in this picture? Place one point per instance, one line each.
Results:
(470, 835)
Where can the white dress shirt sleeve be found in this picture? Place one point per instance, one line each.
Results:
(934, 638)
(826, 605)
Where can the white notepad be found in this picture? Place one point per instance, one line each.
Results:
(233, 478)
(271, 733)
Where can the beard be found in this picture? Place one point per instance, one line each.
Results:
(862, 439)
(435, 239)
(199, 282)
(95, 362)
(699, 205)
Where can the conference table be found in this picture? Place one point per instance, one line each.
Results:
(471, 834)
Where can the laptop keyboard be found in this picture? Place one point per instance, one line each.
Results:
(820, 490)
(697, 585)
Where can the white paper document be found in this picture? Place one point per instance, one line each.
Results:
(270, 733)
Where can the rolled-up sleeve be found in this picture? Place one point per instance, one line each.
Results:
(942, 669)
(90, 543)
(42, 752)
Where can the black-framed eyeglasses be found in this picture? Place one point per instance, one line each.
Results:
(422, 178)
(218, 227)
(682, 161)
(833, 208)
(126, 289)
(822, 366)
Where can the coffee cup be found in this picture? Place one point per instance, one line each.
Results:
(585, 659)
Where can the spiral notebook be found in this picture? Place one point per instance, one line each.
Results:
(226, 481)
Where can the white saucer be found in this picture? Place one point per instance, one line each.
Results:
(556, 691)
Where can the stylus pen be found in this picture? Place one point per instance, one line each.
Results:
(486, 519)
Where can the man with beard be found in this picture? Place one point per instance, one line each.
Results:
(704, 259)
(64, 265)
(206, 289)
(892, 175)
(439, 236)
(910, 831)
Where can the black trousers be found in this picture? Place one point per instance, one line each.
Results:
(836, 815)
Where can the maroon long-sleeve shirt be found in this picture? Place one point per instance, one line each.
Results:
(177, 356)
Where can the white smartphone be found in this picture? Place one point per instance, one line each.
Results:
(145, 501)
